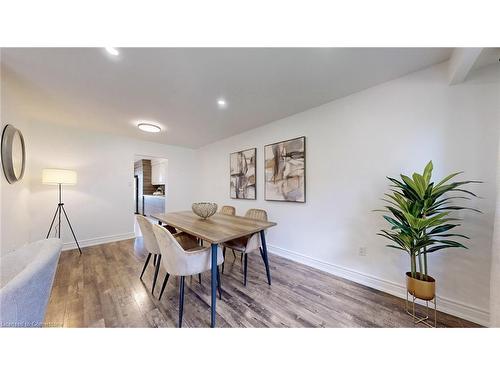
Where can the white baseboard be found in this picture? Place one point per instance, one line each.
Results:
(98, 241)
(460, 309)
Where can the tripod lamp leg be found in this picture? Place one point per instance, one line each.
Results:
(71, 228)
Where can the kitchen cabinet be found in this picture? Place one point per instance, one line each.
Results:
(154, 204)
(158, 172)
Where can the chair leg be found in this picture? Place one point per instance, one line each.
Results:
(158, 259)
(241, 258)
(164, 285)
(154, 260)
(245, 266)
(224, 257)
(181, 300)
(199, 278)
(219, 286)
(234, 254)
(145, 265)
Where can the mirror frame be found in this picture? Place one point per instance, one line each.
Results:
(8, 135)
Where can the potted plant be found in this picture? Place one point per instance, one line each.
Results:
(419, 213)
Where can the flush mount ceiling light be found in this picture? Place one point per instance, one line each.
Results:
(112, 51)
(150, 128)
(221, 103)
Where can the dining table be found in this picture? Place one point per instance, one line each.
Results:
(216, 230)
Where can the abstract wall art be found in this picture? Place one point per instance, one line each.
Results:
(285, 170)
(243, 174)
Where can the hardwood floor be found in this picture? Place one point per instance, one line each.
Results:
(101, 288)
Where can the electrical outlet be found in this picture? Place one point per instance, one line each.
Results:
(362, 251)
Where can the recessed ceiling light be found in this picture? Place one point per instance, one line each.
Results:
(150, 128)
(112, 51)
(221, 103)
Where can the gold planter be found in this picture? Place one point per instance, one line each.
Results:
(422, 289)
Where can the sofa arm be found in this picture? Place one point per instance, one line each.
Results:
(24, 296)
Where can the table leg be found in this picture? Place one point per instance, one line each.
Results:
(214, 282)
(264, 255)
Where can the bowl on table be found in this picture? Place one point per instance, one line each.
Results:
(204, 209)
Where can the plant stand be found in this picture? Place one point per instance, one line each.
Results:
(421, 319)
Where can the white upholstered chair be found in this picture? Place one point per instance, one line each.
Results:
(26, 277)
(151, 246)
(179, 262)
(248, 244)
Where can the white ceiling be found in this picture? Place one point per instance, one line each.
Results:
(179, 88)
(487, 57)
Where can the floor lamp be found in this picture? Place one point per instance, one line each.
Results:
(60, 177)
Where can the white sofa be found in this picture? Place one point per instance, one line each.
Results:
(26, 277)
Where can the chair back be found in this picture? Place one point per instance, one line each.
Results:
(257, 214)
(173, 256)
(228, 210)
(254, 242)
(148, 236)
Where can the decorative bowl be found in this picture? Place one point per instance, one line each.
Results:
(204, 209)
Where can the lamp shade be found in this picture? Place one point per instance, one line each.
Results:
(58, 176)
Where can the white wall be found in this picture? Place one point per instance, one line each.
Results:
(352, 144)
(101, 205)
(495, 260)
(14, 213)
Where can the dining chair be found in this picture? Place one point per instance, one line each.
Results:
(248, 244)
(151, 246)
(228, 210)
(181, 262)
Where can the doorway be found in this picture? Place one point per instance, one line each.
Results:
(150, 187)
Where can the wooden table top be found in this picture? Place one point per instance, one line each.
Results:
(216, 229)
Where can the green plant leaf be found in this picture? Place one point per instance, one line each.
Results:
(443, 228)
(452, 235)
(435, 248)
(398, 214)
(466, 191)
(452, 243)
(412, 186)
(428, 172)
(447, 178)
(421, 184)
(406, 191)
(455, 208)
(399, 248)
(418, 211)
(438, 191)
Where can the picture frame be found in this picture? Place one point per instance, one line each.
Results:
(243, 174)
(285, 170)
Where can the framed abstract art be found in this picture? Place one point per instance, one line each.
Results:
(285, 170)
(242, 171)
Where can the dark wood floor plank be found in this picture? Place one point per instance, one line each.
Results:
(101, 288)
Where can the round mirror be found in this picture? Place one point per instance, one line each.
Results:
(13, 154)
